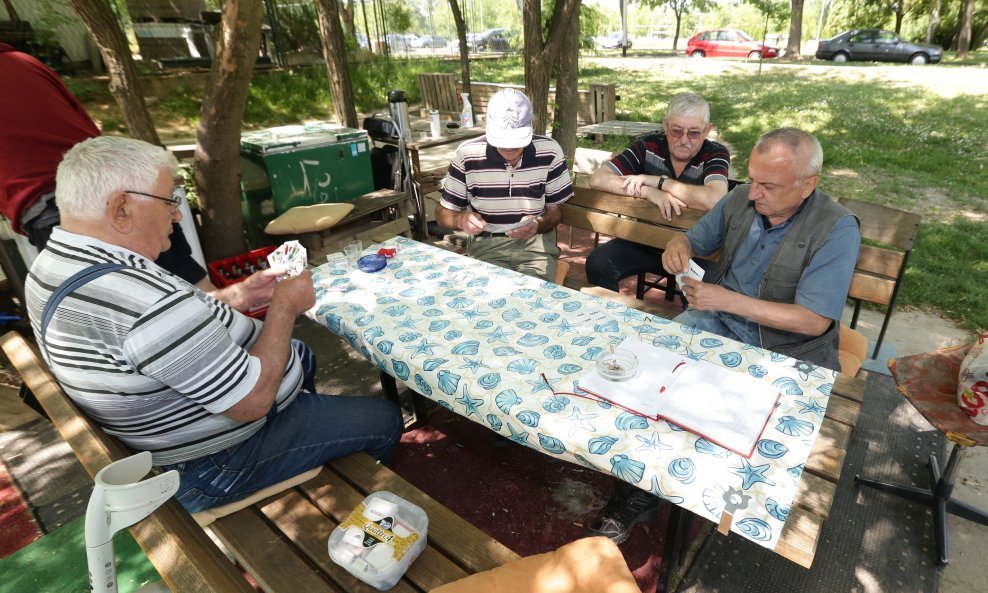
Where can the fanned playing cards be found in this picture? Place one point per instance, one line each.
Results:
(291, 257)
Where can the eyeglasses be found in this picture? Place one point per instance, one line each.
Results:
(691, 134)
(177, 194)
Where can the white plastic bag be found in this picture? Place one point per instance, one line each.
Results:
(972, 383)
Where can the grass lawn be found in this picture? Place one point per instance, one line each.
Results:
(911, 137)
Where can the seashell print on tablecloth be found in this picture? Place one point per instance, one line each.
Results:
(600, 445)
(448, 381)
(551, 444)
(424, 387)
(528, 418)
(506, 400)
(628, 469)
(555, 404)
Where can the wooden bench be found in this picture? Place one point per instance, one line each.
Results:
(597, 102)
(280, 541)
(636, 220)
(888, 236)
(438, 91)
(814, 498)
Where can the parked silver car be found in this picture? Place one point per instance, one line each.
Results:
(876, 45)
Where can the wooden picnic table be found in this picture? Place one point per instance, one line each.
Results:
(616, 127)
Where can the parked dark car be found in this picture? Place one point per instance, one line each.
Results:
(876, 45)
(728, 43)
(491, 40)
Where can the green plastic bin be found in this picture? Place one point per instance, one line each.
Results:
(298, 165)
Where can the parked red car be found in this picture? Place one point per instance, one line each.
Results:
(728, 43)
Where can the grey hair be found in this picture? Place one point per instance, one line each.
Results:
(94, 169)
(804, 146)
(688, 105)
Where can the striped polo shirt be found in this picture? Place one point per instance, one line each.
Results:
(480, 178)
(150, 358)
(649, 155)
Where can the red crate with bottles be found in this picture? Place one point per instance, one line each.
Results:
(236, 268)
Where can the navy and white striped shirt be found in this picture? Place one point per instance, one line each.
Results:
(480, 178)
(649, 155)
(150, 358)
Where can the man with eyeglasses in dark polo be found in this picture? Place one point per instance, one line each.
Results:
(674, 169)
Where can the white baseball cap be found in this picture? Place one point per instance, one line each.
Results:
(509, 119)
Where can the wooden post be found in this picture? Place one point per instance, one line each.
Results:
(602, 100)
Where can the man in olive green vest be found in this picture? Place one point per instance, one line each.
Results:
(787, 254)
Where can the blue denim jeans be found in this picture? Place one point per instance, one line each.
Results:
(617, 259)
(312, 431)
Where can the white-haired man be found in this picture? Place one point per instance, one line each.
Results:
(504, 190)
(675, 169)
(167, 368)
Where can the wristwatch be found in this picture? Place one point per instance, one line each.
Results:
(662, 179)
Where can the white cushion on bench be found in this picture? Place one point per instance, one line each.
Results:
(204, 518)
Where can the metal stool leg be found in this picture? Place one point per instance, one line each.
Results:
(936, 497)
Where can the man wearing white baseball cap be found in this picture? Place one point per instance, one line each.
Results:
(504, 190)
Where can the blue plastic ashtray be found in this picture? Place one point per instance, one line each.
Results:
(372, 263)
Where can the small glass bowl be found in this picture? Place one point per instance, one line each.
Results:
(617, 366)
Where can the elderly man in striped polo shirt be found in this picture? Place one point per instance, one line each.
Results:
(169, 369)
(504, 190)
(675, 169)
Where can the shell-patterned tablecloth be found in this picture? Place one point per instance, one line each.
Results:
(478, 339)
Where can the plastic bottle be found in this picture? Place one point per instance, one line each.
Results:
(466, 116)
(434, 126)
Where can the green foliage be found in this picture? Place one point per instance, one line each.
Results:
(399, 17)
(892, 144)
(298, 26)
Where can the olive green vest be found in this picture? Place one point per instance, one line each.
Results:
(816, 221)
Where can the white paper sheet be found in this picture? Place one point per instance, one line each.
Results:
(726, 407)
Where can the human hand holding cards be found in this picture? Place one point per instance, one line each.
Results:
(693, 270)
(291, 257)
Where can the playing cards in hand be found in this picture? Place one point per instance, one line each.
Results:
(290, 256)
(693, 271)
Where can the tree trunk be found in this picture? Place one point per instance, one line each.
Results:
(124, 85)
(934, 21)
(675, 37)
(899, 13)
(540, 55)
(363, 9)
(334, 52)
(567, 90)
(217, 158)
(461, 34)
(795, 30)
(964, 35)
(346, 11)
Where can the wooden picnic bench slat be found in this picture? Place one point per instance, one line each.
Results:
(843, 410)
(799, 537)
(309, 529)
(449, 532)
(336, 497)
(851, 387)
(815, 494)
(172, 540)
(266, 554)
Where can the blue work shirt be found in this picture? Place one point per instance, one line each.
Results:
(822, 287)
